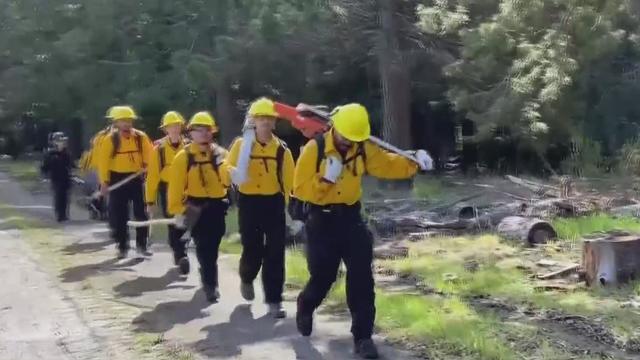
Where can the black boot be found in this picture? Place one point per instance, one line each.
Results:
(211, 293)
(183, 266)
(304, 321)
(366, 349)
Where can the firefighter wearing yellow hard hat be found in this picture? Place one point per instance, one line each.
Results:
(122, 153)
(158, 174)
(328, 178)
(261, 167)
(198, 182)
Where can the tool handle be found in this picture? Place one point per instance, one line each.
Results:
(137, 224)
(385, 145)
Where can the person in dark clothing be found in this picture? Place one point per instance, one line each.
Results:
(57, 165)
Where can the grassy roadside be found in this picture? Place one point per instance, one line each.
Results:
(24, 171)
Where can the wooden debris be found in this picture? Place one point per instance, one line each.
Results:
(554, 286)
(391, 252)
(547, 263)
(611, 260)
(539, 189)
(527, 230)
(571, 269)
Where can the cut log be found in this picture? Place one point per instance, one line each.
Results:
(611, 260)
(528, 230)
(629, 211)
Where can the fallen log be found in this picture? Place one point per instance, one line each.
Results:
(628, 211)
(611, 260)
(537, 188)
(527, 230)
(571, 269)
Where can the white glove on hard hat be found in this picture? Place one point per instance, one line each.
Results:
(424, 160)
(249, 124)
(333, 169)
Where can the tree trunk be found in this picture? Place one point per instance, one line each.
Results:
(611, 260)
(229, 125)
(527, 230)
(396, 88)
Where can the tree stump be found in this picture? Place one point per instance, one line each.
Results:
(612, 259)
(528, 230)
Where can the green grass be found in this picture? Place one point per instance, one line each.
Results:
(427, 187)
(472, 266)
(23, 171)
(574, 229)
(448, 325)
(231, 244)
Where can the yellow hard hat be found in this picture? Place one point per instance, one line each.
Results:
(171, 118)
(352, 122)
(263, 107)
(203, 118)
(116, 113)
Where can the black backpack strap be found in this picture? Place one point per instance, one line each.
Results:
(162, 155)
(115, 140)
(321, 145)
(280, 163)
(214, 163)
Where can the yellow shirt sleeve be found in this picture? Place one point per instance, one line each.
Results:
(103, 158)
(153, 176)
(225, 169)
(387, 165)
(147, 149)
(177, 183)
(307, 184)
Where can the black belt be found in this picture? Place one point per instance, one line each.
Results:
(335, 209)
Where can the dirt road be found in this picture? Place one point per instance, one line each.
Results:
(89, 303)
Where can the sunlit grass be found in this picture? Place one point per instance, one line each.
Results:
(485, 266)
(573, 229)
(23, 171)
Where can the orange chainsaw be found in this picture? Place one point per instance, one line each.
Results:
(312, 121)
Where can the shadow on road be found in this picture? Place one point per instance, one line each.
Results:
(167, 315)
(143, 284)
(88, 247)
(82, 272)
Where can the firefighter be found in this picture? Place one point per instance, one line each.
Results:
(263, 170)
(198, 182)
(97, 204)
(158, 177)
(328, 178)
(122, 153)
(57, 164)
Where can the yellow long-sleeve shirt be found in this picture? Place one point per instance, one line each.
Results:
(200, 180)
(159, 170)
(308, 184)
(128, 158)
(263, 178)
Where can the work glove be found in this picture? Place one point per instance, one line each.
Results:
(245, 156)
(219, 159)
(238, 177)
(424, 160)
(296, 226)
(249, 124)
(180, 221)
(333, 169)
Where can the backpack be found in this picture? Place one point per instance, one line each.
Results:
(161, 154)
(191, 162)
(298, 209)
(116, 141)
(279, 159)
